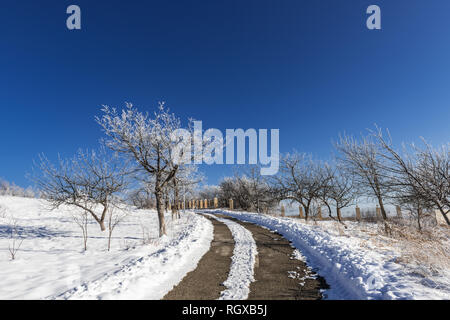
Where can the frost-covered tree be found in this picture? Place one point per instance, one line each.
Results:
(338, 190)
(364, 161)
(142, 196)
(10, 189)
(300, 179)
(148, 141)
(420, 175)
(88, 180)
(209, 192)
(255, 189)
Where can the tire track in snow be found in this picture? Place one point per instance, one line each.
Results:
(242, 262)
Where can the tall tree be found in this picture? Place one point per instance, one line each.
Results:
(421, 174)
(148, 141)
(363, 160)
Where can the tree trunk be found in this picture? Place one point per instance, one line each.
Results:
(445, 216)
(419, 213)
(338, 212)
(109, 241)
(387, 229)
(306, 212)
(383, 211)
(329, 209)
(166, 201)
(85, 238)
(176, 194)
(160, 209)
(102, 225)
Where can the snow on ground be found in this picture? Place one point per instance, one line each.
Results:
(51, 262)
(242, 262)
(356, 262)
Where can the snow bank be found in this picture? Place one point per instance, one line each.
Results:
(352, 269)
(52, 264)
(152, 276)
(242, 262)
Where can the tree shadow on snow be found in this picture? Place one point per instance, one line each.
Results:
(29, 232)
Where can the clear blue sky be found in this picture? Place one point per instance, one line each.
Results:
(310, 68)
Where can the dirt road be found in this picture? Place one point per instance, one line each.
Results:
(278, 274)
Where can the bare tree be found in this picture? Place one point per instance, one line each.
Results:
(87, 180)
(229, 189)
(115, 216)
(363, 160)
(301, 179)
(254, 189)
(81, 218)
(142, 197)
(415, 208)
(15, 240)
(148, 141)
(338, 191)
(421, 176)
(243, 191)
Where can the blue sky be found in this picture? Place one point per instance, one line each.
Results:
(310, 68)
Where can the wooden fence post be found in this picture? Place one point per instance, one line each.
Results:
(216, 203)
(378, 210)
(283, 213)
(231, 204)
(358, 213)
(319, 213)
(206, 204)
(399, 212)
(300, 212)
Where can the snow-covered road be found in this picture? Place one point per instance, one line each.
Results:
(353, 267)
(243, 262)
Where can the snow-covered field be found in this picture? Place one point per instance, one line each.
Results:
(358, 262)
(51, 262)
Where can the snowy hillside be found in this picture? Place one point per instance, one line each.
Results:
(51, 262)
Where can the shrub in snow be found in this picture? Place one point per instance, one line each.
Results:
(15, 240)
